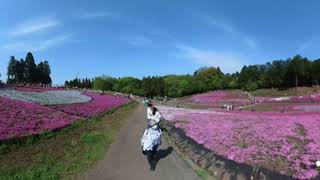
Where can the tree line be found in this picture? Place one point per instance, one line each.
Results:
(281, 74)
(27, 72)
(292, 72)
(79, 83)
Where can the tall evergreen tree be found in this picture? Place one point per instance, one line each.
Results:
(46, 73)
(11, 70)
(22, 71)
(26, 71)
(31, 69)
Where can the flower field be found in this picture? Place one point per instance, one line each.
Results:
(18, 118)
(285, 142)
(30, 113)
(98, 104)
(221, 96)
(291, 99)
(46, 97)
(34, 89)
(303, 107)
(218, 98)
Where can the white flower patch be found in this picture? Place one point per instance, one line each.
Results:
(281, 98)
(46, 98)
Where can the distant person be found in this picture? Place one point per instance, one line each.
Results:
(150, 141)
(145, 102)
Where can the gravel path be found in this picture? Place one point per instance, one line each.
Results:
(124, 159)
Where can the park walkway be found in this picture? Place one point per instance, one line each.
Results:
(124, 159)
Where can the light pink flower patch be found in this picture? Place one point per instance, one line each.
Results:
(304, 107)
(35, 89)
(218, 98)
(291, 99)
(256, 138)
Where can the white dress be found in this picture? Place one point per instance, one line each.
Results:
(151, 137)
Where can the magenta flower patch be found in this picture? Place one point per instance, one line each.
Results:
(19, 119)
(98, 105)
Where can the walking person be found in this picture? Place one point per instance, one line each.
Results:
(150, 141)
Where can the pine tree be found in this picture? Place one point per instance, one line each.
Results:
(11, 70)
(30, 69)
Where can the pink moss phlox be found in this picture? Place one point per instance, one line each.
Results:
(35, 89)
(98, 105)
(255, 137)
(291, 99)
(19, 119)
(218, 97)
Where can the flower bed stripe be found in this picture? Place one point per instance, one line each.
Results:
(47, 97)
(19, 119)
(98, 105)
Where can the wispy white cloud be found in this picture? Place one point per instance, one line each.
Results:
(139, 41)
(95, 14)
(233, 31)
(34, 26)
(37, 46)
(229, 62)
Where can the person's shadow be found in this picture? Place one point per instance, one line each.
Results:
(161, 154)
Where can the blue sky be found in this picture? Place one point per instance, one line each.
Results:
(137, 38)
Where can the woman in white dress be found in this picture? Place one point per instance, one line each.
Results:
(150, 141)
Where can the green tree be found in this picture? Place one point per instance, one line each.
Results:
(12, 70)
(104, 83)
(250, 77)
(31, 69)
(128, 85)
(315, 71)
(46, 73)
(177, 86)
(43, 73)
(230, 81)
(153, 86)
(277, 73)
(21, 71)
(209, 78)
(296, 71)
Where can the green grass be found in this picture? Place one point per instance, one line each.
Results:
(63, 154)
(202, 174)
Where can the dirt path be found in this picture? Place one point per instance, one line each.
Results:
(125, 161)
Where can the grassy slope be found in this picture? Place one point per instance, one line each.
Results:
(62, 154)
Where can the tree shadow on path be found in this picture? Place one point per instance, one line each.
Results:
(162, 153)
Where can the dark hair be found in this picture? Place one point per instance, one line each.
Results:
(149, 104)
(154, 110)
